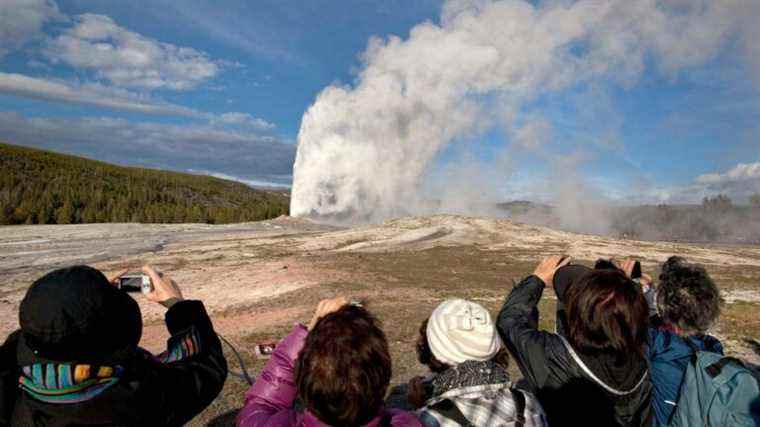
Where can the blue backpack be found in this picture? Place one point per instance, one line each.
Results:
(717, 391)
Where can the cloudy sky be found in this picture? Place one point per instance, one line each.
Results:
(220, 87)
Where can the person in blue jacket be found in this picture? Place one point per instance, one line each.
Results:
(683, 306)
(688, 304)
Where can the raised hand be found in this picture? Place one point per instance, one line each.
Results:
(114, 277)
(165, 290)
(546, 268)
(325, 307)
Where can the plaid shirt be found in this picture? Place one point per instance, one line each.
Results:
(485, 405)
(482, 392)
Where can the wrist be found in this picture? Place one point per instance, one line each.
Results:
(168, 303)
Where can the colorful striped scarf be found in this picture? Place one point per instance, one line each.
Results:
(65, 383)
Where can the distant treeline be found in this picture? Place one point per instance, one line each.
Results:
(41, 187)
(716, 219)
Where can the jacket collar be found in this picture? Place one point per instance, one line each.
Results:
(310, 420)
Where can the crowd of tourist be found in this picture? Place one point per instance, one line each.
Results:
(626, 350)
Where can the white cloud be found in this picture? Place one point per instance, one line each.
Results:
(88, 94)
(205, 147)
(739, 173)
(119, 99)
(739, 183)
(21, 21)
(246, 120)
(127, 58)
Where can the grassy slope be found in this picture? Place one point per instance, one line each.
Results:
(37, 185)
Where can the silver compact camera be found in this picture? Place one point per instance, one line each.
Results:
(135, 283)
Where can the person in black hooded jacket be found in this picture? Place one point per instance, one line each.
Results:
(595, 372)
(76, 361)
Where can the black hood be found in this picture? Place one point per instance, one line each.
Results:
(566, 276)
(74, 314)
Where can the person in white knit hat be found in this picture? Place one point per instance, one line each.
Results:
(460, 330)
(469, 384)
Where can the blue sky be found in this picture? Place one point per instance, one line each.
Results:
(220, 88)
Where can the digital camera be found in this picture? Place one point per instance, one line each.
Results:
(135, 283)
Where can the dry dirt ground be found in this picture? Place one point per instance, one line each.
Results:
(257, 279)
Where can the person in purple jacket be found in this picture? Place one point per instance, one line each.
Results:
(339, 367)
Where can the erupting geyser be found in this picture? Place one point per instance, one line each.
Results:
(364, 150)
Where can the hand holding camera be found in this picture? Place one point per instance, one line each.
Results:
(156, 287)
(632, 269)
(549, 265)
(165, 290)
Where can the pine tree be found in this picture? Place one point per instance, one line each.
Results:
(6, 214)
(65, 214)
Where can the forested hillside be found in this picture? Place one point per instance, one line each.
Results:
(41, 187)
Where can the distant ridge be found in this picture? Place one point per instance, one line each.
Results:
(43, 187)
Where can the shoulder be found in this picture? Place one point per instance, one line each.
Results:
(285, 417)
(560, 351)
(403, 418)
(710, 343)
(661, 340)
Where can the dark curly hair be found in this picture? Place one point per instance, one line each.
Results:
(425, 355)
(687, 297)
(344, 369)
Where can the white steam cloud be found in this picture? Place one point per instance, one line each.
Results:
(364, 151)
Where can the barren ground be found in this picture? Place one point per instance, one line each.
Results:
(257, 279)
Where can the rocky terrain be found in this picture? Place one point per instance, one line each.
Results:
(258, 278)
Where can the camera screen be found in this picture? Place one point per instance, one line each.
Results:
(131, 283)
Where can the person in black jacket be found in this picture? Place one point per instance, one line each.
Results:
(76, 361)
(596, 373)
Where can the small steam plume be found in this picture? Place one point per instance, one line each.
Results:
(368, 151)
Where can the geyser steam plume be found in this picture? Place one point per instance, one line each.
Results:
(364, 150)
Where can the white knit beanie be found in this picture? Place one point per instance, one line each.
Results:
(460, 330)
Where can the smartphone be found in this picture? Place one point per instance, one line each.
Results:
(135, 283)
(264, 351)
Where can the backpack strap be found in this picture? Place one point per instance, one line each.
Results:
(448, 409)
(519, 399)
(715, 369)
(593, 377)
(691, 345)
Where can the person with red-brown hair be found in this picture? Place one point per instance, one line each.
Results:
(340, 368)
(595, 372)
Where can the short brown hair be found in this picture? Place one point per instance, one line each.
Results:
(344, 369)
(607, 312)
